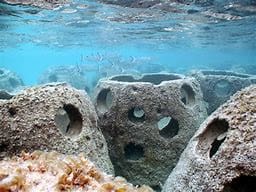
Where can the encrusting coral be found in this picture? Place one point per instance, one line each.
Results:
(52, 171)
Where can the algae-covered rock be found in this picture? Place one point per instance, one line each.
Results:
(9, 81)
(52, 117)
(147, 122)
(221, 157)
(41, 171)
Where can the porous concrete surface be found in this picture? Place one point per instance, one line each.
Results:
(218, 86)
(45, 4)
(221, 156)
(143, 150)
(52, 117)
(9, 81)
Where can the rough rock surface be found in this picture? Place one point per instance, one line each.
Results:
(45, 4)
(52, 117)
(9, 81)
(147, 123)
(59, 173)
(221, 156)
(218, 86)
(69, 74)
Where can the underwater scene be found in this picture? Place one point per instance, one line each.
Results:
(128, 95)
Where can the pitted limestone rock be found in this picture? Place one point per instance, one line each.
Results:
(218, 86)
(52, 117)
(9, 81)
(147, 122)
(221, 156)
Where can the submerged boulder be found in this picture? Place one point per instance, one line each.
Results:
(9, 81)
(218, 86)
(221, 157)
(59, 173)
(52, 117)
(147, 123)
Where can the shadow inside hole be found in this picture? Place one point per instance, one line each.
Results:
(168, 127)
(241, 184)
(156, 188)
(136, 114)
(104, 100)
(187, 95)
(69, 120)
(155, 79)
(1, 72)
(133, 152)
(213, 136)
(12, 111)
(4, 146)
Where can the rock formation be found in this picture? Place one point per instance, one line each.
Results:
(221, 156)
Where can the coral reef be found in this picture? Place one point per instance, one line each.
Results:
(221, 156)
(9, 81)
(45, 4)
(218, 86)
(59, 173)
(147, 122)
(52, 117)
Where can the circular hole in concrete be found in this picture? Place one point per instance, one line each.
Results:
(53, 78)
(69, 120)
(12, 111)
(241, 184)
(168, 127)
(223, 88)
(187, 95)
(213, 136)
(136, 114)
(104, 100)
(13, 82)
(156, 188)
(133, 152)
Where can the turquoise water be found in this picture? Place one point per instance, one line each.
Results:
(127, 40)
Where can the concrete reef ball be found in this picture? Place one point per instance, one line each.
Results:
(221, 157)
(60, 173)
(66, 73)
(52, 117)
(9, 81)
(218, 86)
(147, 123)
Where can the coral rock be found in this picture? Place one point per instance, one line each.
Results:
(221, 157)
(59, 173)
(52, 117)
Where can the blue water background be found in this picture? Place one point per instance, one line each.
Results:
(98, 34)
